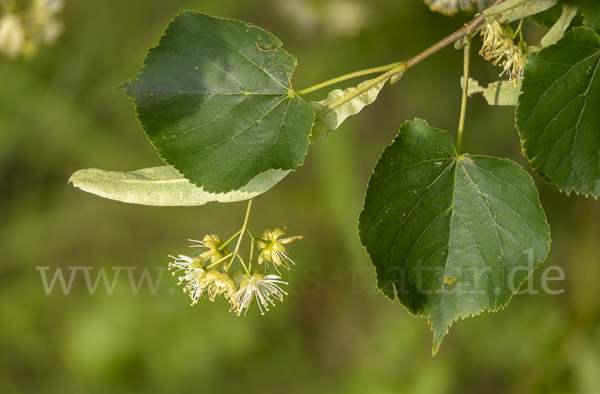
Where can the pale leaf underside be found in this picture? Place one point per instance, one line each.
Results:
(512, 10)
(164, 186)
(329, 119)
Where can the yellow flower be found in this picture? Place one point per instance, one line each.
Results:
(222, 284)
(214, 282)
(193, 267)
(41, 20)
(213, 243)
(273, 249)
(199, 278)
(263, 287)
(12, 35)
(22, 32)
(497, 46)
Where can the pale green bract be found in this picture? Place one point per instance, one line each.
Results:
(512, 10)
(331, 120)
(559, 28)
(496, 93)
(164, 186)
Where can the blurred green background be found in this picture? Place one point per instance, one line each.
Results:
(334, 332)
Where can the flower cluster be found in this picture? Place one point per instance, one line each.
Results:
(497, 46)
(207, 273)
(449, 7)
(23, 27)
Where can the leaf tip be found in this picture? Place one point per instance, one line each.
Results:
(121, 86)
(73, 178)
(438, 336)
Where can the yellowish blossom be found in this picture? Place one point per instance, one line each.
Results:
(273, 249)
(12, 35)
(214, 283)
(24, 28)
(264, 288)
(213, 243)
(502, 49)
(193, 267)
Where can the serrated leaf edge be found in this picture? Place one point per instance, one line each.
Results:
(530, 159)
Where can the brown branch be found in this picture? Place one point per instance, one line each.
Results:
(404, 66)
(466, 30)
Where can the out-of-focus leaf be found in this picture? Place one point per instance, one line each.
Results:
(164, 186)
(215, 98)
(558, 115)
(332, 119)
(512, 10)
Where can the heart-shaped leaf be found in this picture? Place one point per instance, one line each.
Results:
(450, 236)
(215, 98)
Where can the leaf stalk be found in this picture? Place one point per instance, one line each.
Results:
(346, 77)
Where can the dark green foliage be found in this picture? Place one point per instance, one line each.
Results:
(591, 12)
(215, 98)
(450, 236)
(558, 114)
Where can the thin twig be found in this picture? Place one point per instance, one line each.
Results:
(402, 67)
(463, 105)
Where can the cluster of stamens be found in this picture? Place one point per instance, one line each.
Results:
(207, 274)
(502, 49)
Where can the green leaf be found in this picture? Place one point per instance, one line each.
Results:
(496, 93)
(328, 120)
(558, 115)
(559, 28)
(164, 186)
(450, 236)
(591, 13)
(547, 18)
(215, 98)
(512, 10)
